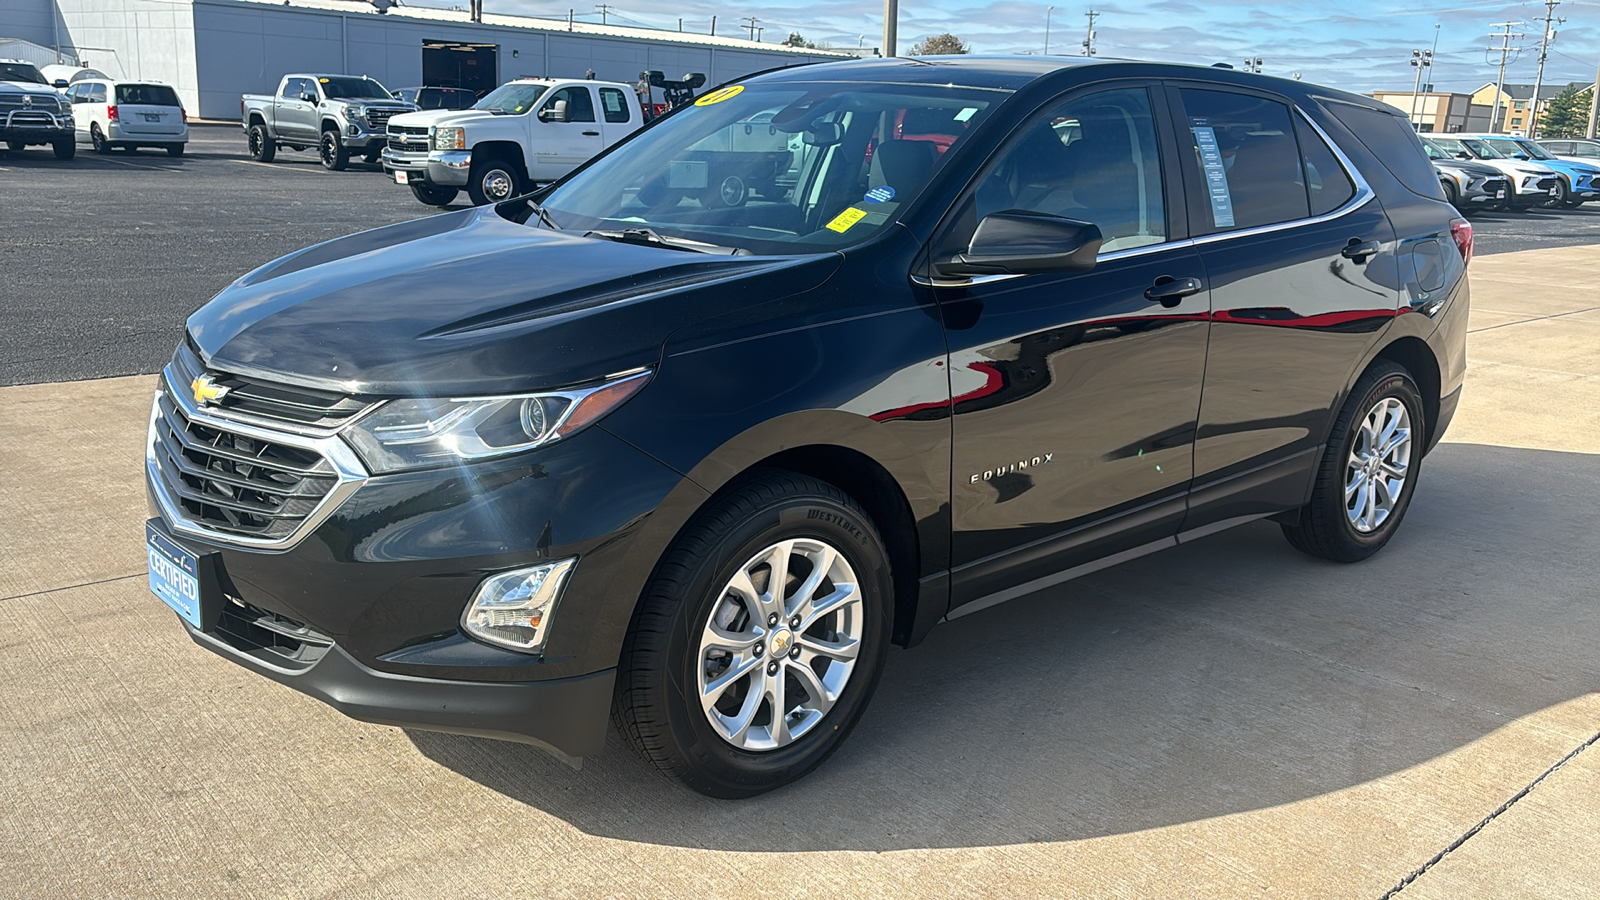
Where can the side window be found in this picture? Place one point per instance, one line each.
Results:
(1244, 153)
(580, 105)
(291, 89)
(1094, 159)
(614, 104)
(1391, 140)
(72, 94)
(97, 94)
(1328, 185)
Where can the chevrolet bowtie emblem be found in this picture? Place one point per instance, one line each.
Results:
(206, 390)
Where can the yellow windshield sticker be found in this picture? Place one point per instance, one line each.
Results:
(323, 80)
(842, 222)
(719, 95)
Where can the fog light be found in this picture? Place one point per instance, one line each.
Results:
(513, 609)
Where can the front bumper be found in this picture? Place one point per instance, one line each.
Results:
(443, 167)
(566, 716)
(35, 126)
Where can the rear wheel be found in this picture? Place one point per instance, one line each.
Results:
(729, 191)
(494, 179)
(760, 638)
(433, 194)
(98, 139)
(66, 148)
(174, 149)
(262, 147)
(335, 156)
(1368, 472)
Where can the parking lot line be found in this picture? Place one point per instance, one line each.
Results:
(123, 162)
(251, 162)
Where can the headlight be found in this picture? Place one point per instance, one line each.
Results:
(513, 609)
(449, 139)
(425, 433)
(356, 112)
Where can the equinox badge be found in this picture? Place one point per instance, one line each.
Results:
(1020, 464)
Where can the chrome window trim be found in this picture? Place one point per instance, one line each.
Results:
(348, 471)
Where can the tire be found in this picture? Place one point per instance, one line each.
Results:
(664, 659)
(66, 148)
(1327, 526)
(262, 147)
(332, 151)
(434, 194)
(371, 156)
(730, 191)
(174, 149)
(656, 195)
(1562, 196)
(1572, 204)
(494, 179)
(18, 146)
(1451, 194)
(97, 139)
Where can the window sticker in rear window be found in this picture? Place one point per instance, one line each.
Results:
(1216, 171)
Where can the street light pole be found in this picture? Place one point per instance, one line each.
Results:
(1420, 60)
(891, 19)
(1594, 102)
(1047, 11)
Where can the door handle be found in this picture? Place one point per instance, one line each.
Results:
(591, 134)
(1168, 291)
(1360, 251)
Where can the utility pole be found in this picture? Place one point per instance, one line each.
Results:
(1047, 11)
(1506, 37)
(891, 22)
(604, 8)
(713, 26)
(750, 25)
(1420, 60)
(1594, 102)
(1088, 40)
(1550, 22)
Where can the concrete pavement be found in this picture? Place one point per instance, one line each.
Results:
(1225, 719)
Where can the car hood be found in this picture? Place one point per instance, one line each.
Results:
(28, 87)
(430, 117)
(471, 303)
(1461, 165)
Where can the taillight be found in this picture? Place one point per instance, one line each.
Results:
(185, 113)
(1461, 232)
(111, 113)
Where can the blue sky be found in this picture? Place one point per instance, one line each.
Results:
(1327, 43)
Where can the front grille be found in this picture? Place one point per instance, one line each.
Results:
(1546, 184)
(35, 102)
(250, 629)
(408, 138)
(379, 118)
(234, 484)
(269, 403)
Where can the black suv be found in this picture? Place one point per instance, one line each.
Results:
(623, 449)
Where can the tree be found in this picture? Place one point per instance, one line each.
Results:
(1567, 116)
(796, 39)
(945, 44)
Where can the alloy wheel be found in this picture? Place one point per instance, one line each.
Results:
(1379, 463)
(780, 644)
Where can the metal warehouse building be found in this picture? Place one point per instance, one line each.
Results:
(214, 50)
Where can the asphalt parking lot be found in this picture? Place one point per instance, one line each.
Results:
(131, 244)
(1225, 719)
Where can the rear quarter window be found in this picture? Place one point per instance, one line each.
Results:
(1392, 141)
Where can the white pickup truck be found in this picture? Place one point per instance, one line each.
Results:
(340, 115)
(525, 132)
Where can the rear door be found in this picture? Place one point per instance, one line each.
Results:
(1302, 267)
(151, 110)
(1075, 394)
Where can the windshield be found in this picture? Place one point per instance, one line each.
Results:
(21, 72)
(513, 99)
(1534, 150)
(1433, 150)
(780, 168)
(340, 87)
(1480, 149)
(1507, 147)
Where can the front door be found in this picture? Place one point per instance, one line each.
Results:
(1301, 261)
(1076, 394)
(559, 147)
(296, 119)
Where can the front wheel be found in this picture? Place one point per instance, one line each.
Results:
(1561, 197)
(1368, 472)
(759, 639)
(335, 156)
(493, 180)
(66, 148)
(1451, 194)
(433, 194)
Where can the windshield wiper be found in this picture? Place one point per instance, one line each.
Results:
(650, 237)
(544, 216)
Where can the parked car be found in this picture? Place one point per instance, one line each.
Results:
(1468, 185)
(1532, 184)
(505, 470)
(340, 115)
(1575, 181)
(437, 97)
(31, 111)
(1576, 150)
(126, 115)
(525, 132)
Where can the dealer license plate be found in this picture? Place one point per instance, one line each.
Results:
(152, 117)
(401, 177)
(1499, 195)
(1552, 192)
(174, 575)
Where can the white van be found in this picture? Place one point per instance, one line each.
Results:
(128, 114)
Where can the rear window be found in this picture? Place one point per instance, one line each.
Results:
(1391, 139)
(147, 95)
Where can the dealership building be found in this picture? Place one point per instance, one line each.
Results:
(212, 51)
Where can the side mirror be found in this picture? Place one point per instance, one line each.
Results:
(308, 96)
(396, 95)
(1462, 154)
(555, 112)
(60, 84)
(1025, 243)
